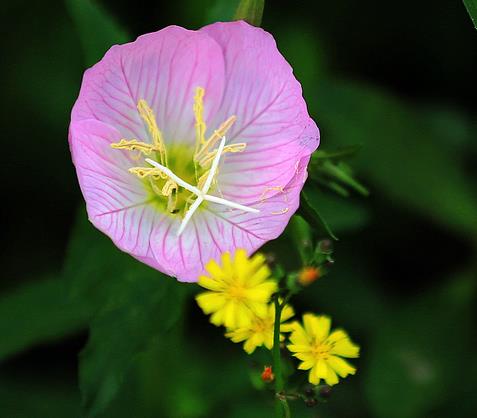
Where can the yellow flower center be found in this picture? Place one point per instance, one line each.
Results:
(237, 293)
(321, 350)
(190, 163)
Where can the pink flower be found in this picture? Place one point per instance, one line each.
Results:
(188, 144)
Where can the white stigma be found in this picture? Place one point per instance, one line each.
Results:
(201, 194)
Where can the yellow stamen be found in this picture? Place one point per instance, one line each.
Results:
(215, 137)
(170, 190)
(147, 115)
(169, 187)
(228, 148)
(143, 172)
(200, 126)
(134, 145)
(280, 189)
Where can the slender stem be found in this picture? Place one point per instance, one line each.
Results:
(281, 405)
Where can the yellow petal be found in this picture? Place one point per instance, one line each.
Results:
(307, 365)
(215, 271)
(210, 301)
(299, 335)
(259, 309)
(210, 284)
(243, 316)
(287, 327)
(262, 292)
(287, 313)
(342, 345)
(259, 276)
(241, 265)
(299, 348)
(304, 356)
(249, 346)
(331, 379)
(230, 320)
(238, 335)
(322, 327)
(227, 264)
(255, 262)
(340, 366)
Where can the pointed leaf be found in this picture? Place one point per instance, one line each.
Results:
(251, 11)
(97, 30)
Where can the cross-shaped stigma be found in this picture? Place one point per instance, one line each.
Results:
(201, 193)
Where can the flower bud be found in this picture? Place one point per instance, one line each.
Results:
(308, 275)
(311, 402)
(267, 374)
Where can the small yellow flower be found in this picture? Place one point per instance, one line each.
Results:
(260, 331)
(320, 351)
(238, 290)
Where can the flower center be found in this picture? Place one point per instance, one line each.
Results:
(174, 169)
(236, 293)
(321, 350)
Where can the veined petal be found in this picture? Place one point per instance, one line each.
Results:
(117, 201)
(163, 68)
(272, 118)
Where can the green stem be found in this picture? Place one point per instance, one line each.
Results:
(281, 405)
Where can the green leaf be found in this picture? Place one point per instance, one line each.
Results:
(420, 352)
(135, 305)
(404, 157)
(301, 237)
(344, 152)
(140, 310)
(335, 175)
(97, 30)
(310, 205)
(38, 312)
(251, 11)
(25, 396)
(471, 6)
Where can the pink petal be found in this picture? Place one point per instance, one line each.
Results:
(163, 68)
(272, 118)
(218, 229)
(116, 200)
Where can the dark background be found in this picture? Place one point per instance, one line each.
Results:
(398, 78)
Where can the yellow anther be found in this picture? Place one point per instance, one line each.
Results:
(154, 186)
(170, 190)
(143, 172)
(228, 148)
(200, 126)
(215, 137)
(280, 189)
(147, 115)
(280, 212)
(202, 179)
(169, 187)
(134, 145)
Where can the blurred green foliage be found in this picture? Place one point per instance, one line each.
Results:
(403, 283)
(471, 6)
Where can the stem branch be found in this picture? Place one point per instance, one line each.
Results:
(281, 405)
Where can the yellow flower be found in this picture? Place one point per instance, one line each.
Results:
(260, 331)
(320, 351)
(238, 290)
